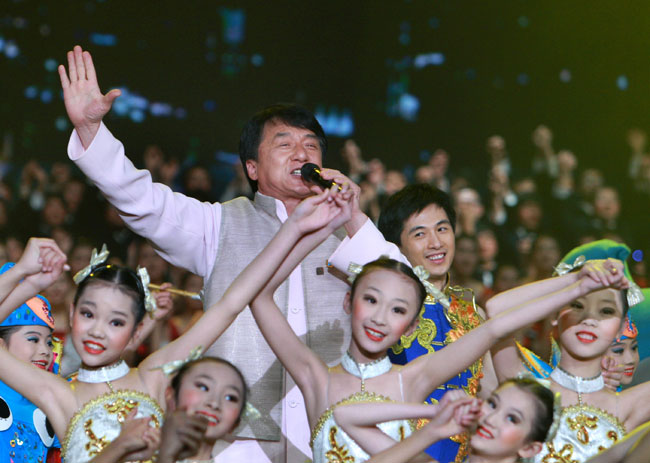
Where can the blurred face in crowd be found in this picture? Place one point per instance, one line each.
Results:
(606, 204)
(395, 181)
(198, 179)
(590, 181)
(156, 265)
(545, 255)
(468, 204)
(153, 157)
(496, 147)
(467, 258)
(376, 172)
(530, 214)
(424, 174)
(488, 245)
(507, 277)
(636, 138)
(439, 162)
(60, 172)
(54, 212)
(73, 193)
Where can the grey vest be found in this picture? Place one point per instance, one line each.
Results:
(246, 227)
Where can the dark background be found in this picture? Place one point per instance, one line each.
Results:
(501, 72)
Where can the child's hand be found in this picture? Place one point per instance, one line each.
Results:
(612, 372)
(137, 439)
(181, 436)
(164, 302)
(42, 262)
(318, 211)
(455, 413)
(599, 274)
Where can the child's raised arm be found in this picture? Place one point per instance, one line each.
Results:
(453, 415)
(428, 371)
(313, 216)
(595, 274)
(305, 367)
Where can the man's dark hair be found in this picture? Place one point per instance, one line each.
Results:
(412, 199)
(290, 114)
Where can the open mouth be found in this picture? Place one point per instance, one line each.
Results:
(629, 372)
(374, 335)
(42, 364)
(93, 348)
(484, 433)
(437, 258)
(212, 419)
(586, 337)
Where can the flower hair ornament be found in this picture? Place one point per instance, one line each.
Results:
(174, 366)
(149, 301)
(419, 271)
(563, 268)
(95, 261)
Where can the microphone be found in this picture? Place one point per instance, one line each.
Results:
(310, 172)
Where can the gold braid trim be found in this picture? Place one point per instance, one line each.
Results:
(120, 395)
(358, 397)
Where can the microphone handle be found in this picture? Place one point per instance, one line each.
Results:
(323, 183)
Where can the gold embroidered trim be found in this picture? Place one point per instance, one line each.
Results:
(563, 456)
(584, 409)
(122, 394)
(338, 453)
(357, 397)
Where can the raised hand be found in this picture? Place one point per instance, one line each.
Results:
(42, 262)
(164, 302)
(181, 436)
(318, 211)
(612, 372)
(455, 413)
(137, 439)
(598, 274)
(84, 102)
(357, 217)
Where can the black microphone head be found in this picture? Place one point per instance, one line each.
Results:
(310, 172)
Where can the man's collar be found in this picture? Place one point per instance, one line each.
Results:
(271, 206)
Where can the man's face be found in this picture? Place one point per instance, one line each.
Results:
(282, 152)
(427, 239)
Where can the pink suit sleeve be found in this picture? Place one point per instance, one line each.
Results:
(185, 231)
(366, 245)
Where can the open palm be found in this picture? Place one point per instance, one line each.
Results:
(84, 102)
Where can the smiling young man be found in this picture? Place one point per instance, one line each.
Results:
(217, 241)
(416, 226)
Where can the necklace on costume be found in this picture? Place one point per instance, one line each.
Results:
(577, 383)
(104, 374)
(365, 370)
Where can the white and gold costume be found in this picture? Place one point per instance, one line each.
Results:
(329, 443)
(584, 431)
